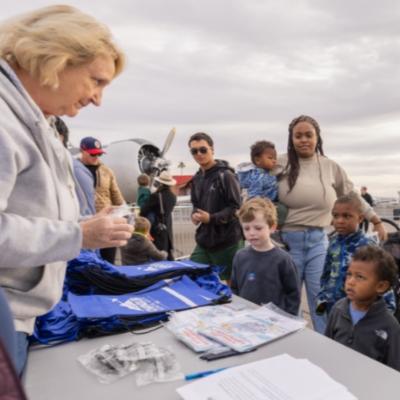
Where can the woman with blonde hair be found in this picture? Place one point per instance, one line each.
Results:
(53, 62)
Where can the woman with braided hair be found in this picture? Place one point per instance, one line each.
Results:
(309, 184)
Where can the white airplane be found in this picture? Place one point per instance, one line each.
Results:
(131, 157)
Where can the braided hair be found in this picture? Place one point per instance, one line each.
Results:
(292, 167)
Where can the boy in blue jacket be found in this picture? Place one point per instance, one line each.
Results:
(257, 179)
(346, 218)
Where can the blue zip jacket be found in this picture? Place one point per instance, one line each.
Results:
(257, 181)
(340, 250)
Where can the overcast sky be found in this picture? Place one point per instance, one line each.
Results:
(241, 70)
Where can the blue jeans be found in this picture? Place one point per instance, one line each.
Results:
(22, 351)
(308, 250)
(7, 331)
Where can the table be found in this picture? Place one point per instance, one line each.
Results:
(55, 374)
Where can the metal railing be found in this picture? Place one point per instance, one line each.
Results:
(184, 231)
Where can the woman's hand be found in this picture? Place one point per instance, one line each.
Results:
(103, 231)
(380, 230)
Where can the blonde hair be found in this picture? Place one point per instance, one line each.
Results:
(142, 225)
(247, 211)
(46, 41)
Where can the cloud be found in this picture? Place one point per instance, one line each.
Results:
(242, 70)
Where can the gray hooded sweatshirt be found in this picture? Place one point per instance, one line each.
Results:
(38, 207)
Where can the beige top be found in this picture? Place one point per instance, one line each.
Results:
(311, 200)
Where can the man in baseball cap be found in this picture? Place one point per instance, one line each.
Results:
(92, 146)
(107, 192)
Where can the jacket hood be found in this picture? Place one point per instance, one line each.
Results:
(220, 165)
(376, 308)
(14, 94)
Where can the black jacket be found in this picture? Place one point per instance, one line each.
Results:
(217, 191)
(376, 335)
(162, 240)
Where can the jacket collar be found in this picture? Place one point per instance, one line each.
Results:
(376, 308)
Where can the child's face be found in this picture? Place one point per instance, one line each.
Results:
(362, 284)
(257, 232)
(346, 218)
(267, 160)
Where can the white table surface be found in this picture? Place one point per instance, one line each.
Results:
(55, 374)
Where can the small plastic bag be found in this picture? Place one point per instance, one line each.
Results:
(111, 362)
(161, 366)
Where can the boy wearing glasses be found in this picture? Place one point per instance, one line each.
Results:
(107, 192)
(215, 196)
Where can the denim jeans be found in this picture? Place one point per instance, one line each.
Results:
(22, 351)
(308, 250)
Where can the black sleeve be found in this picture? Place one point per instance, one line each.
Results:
(231, 193)
(234, 284)
(393, 351)
(193, 194)
(330, 324)
(151, 205)
(291, 286)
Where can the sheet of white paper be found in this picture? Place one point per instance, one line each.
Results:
(277, 378)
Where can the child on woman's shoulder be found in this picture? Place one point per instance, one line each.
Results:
(362, 321)
(140, 249)
(255, 177)
(263, 273)
(346, 217)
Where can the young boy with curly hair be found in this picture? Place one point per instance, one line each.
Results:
(361, 320)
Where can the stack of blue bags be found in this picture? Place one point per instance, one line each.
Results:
(100, 298)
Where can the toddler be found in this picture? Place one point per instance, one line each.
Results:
(255, 177)
(140, 249)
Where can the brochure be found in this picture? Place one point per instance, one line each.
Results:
(254, 328)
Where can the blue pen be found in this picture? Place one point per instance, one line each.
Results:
(202, 374)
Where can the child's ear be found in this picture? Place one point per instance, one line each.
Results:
(360, 218)
(272, 228)
(383, 286)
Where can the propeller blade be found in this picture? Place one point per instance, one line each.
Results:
(168, 142)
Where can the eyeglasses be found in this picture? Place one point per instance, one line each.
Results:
(201, 150)
(95, 155)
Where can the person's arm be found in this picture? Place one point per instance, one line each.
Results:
(322, 296)
(270, 187)
(244, 174)
(115, 193)
(393, 349)
(154, 253)
(234, 283)
(30, 241)
(151, 205)
(291, 286)
(329, 330)
(232, 199)
(343, 185)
